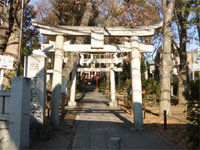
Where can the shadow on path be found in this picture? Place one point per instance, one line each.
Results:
(96, 123)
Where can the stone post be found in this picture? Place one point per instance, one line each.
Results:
(57, 81)
(136, 83)
(35, 68)
(72, 102)
(193, 75)
(113, 102)
(19, 121)
(63, 92)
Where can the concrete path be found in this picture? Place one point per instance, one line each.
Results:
(96, 123)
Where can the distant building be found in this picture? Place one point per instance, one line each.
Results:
(193, 60)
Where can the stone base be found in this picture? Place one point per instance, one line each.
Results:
(113, 104)
(72, 104)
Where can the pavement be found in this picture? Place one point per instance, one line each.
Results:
(96, 124)
(92, 125)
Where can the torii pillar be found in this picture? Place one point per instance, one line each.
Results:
(57, 80)
(113, 102)
(136, 83)
(72, 102)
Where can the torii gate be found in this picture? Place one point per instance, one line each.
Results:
(97, 45)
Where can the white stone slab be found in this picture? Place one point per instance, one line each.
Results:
(35, 69)
(97, 37)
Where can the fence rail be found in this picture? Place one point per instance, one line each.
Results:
(14, 115)
(4, 102)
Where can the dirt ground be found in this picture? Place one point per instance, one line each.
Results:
(176, 124)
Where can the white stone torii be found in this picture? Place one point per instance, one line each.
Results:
(135, 48)
(106, 48)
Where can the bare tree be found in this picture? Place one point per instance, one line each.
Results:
(73, 58)
(9, 27)
(168, 8)
(197, 7)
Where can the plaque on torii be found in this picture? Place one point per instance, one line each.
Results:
(97, 38)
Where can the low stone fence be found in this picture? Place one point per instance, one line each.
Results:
(14, 115)
(4, 118)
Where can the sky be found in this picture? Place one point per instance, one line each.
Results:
(192, 32)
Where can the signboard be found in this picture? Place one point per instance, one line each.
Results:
(6, 62)
(196, 67)
(97, 38)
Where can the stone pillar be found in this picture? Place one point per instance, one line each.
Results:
(35, 68)
(57, 81)
(72, 102)
(63, 92)
(193, 75)
(19, 118)
(136, 83)
(113, 102)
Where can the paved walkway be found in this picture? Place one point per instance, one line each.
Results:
(96, 123)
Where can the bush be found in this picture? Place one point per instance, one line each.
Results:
(102, 86)
(195, 90)
(152, 87)
(193, 114)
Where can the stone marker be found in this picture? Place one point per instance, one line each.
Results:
(36, 70)
(19, 118)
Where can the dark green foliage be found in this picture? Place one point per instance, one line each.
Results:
(175, 85)
(102, 86)
(125, 74)
(143, 70)
(152, 87)
(194, 86)
(193, 114)
(30, 40)
(79, 86)
(30, 34)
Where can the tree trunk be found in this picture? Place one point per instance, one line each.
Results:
(73, 58)
(2, 7)
(183, 76)
(5, 25)
(10, 27)
(197, 3)
(183, 69)
(165, 97)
